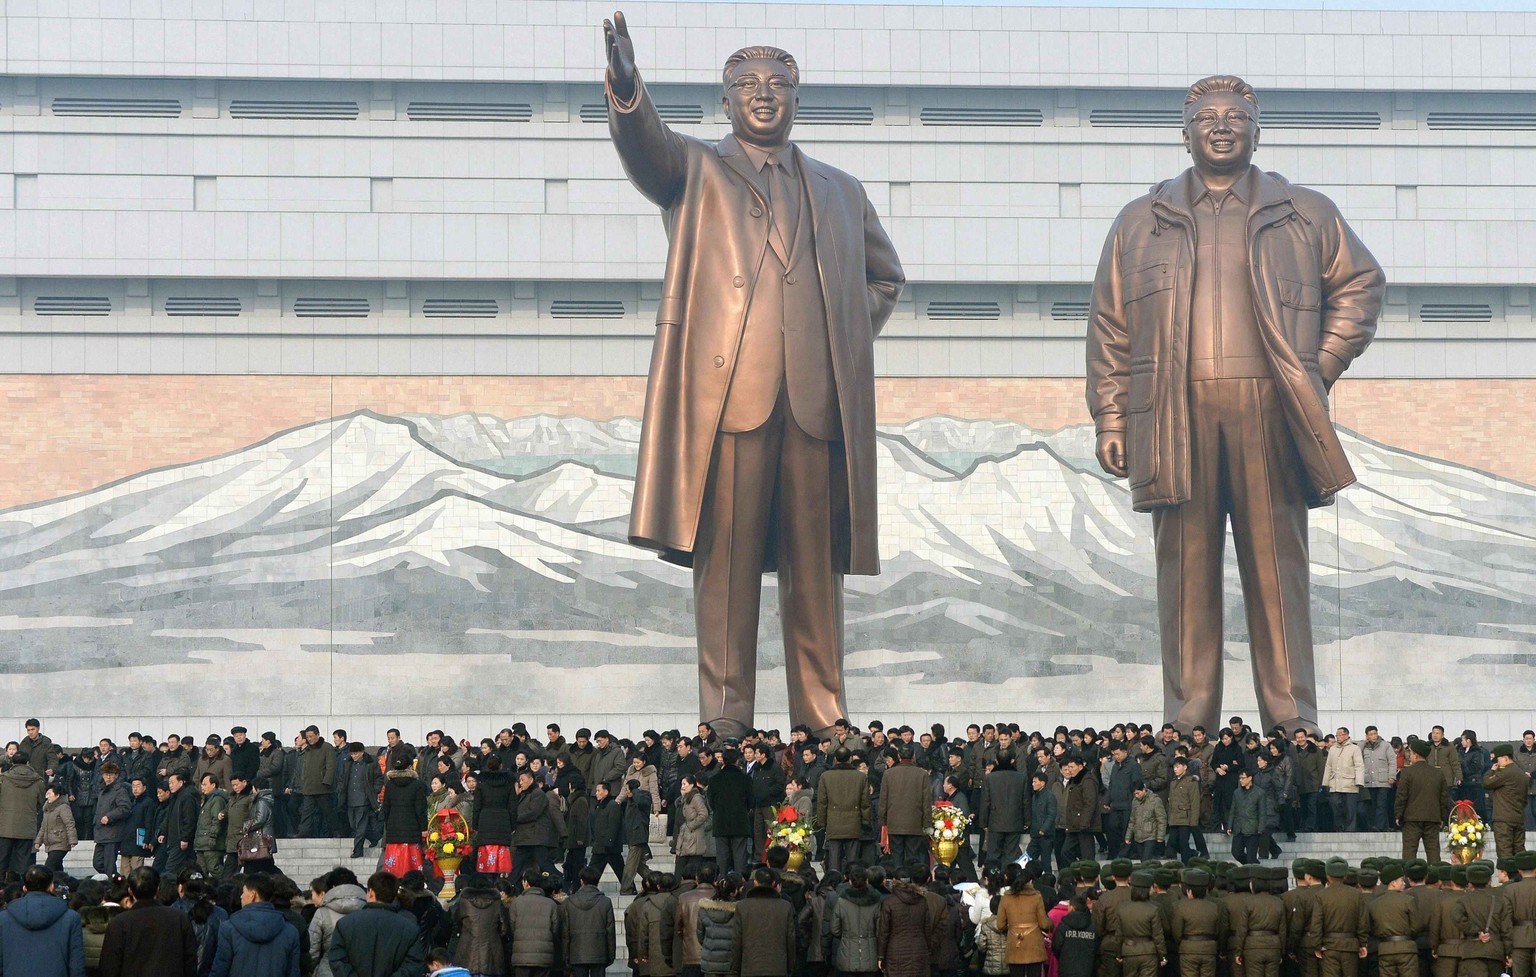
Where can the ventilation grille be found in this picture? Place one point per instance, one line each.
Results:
(835, 115)
(1482, 120)
(1063, 311)
(1320, 119)
(469, 111)
(964, 310)
(587, 309)
(460, 308)
(673, 114)
(1455, 312)
(960, 115)
(332, 307)
(72, 305)
(201, 305)
(1138, 118)
(248, 108)
(143, 108)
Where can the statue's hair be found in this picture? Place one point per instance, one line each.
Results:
(760, 51)
(1220, 83)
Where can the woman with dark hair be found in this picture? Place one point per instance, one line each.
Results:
(1474, 764)
(1022, 920)
(1226, 764)
(405, 818)
(493, 819)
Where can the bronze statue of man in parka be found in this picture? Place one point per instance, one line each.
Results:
(1227, 303)
(757, 450)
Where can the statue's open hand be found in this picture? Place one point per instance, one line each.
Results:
(1111, 453)
(621, 50)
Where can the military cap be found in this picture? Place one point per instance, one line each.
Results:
(1373, 862)
(1503, 749)
(1277, 873)
(1086, 871)
(1241, 873)
(1367, 877)
(1506, 865)
(1421, 747)
(1299, 867)
(1459, 874)
(1526, 861)
(1337, 868)
(1351, 876)
(1165, 877)
(1121, 868)
(1197, 876)
(1141, 879)
(1391, 871)
(1479, 873)
(1438, 872)
(1417, 869)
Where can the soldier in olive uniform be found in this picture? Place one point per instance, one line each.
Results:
(1522, 906)
(1395, 922)
(1425, 898)
(1443, 934)
(1507, 787)
(1300, 905)
(1484, 920)
(1236, 902)
(1104, 923)
(1423, 802)
(1143, 946)
(1258, 928)
(1198, 927)
(1339, 927)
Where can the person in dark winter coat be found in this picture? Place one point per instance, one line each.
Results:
(40, 936)
(535, 919)
(180, 824)
(650, 931)
(534, 832)
(764, 930)
(715, 927)
(908, 937)
(495, 802)
(149, 939)
(637, 833)
(730, 804)
(606, 831)
(357, 794)
(481, 926)
(590, 929)
(1005, 810)
(855, 925)
(405, 817)
(257, 941)
(1042, 820)
(1074, 941)
(1250, 811)
(114, 808)
(379, 940)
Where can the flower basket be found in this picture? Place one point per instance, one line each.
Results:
(447, 845)
(1467, 834)
(946, 831)
(789, 830)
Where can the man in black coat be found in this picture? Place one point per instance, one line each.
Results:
(534, 831)
(357, 793)
(180, 824)
(637, 835)
(1004, 813)
(606, 831)
(730, 803)
(148, 939)
(380, 938)
(768, 783)
(244, 756)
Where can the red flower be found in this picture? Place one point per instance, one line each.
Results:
(789, 815)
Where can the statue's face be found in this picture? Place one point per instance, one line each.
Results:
(761, 99)
(1222, 133)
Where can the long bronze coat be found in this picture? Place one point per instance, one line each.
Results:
(1315, 288)
(717, 240)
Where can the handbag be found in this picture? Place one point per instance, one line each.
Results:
(254, 846)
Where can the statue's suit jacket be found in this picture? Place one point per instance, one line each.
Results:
(717, 245)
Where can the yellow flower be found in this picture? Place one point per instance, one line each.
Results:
(448, 848)
(433, 836)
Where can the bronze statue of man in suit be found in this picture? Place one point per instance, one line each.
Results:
(757, 450)
(1226, 304)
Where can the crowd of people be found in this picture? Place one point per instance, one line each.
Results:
(200, 829)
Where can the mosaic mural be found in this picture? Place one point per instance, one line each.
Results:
(482, 555)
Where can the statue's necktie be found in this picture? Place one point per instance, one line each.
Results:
(784, 203)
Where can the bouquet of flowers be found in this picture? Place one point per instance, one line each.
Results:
(447, 836)
(1466, 834)
(946, 822)
(790, 830)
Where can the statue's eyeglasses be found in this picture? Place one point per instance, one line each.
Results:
(1235, 118)
(751, 83)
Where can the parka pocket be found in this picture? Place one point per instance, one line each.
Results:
(1140, 396)
(1300, 295)
(1148, 281)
